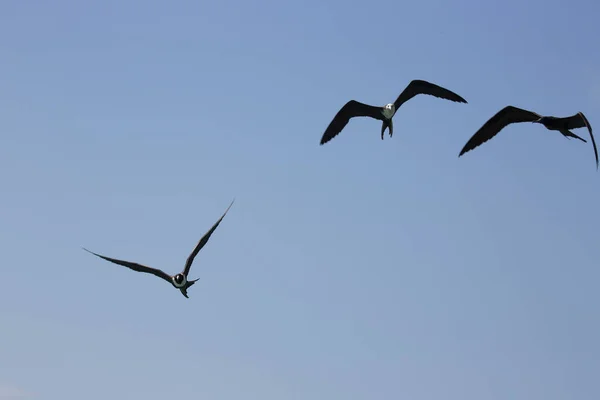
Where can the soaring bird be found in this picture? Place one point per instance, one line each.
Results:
(510, 115)
(385, 114)
(179, 281)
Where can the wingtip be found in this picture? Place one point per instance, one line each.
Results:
(91, 252)
(228, 207)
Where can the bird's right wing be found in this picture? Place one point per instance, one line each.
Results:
(351, 109)
(135, 266)
(587, 124)
(508, 115)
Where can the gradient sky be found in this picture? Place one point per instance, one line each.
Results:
(358, 270)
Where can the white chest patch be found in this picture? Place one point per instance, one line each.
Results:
(388, 110)
(179, 285)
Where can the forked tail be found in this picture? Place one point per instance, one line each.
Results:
(568, 134)
(187, 285)
(389, 125)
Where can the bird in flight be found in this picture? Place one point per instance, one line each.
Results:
(385, 114)
(179, 281)
(511, 115)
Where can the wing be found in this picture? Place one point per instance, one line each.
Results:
(202, 242)
(587, 124)
(574, 121)
(508, 115)
(419, 86)
(135, 266)
(351, 109)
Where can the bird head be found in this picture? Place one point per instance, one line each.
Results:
(179, 278)
(542, 120)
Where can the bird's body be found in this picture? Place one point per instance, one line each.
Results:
(386, 113)
(510, 115)
(179, 281)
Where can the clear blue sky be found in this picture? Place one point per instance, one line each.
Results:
(358, 270)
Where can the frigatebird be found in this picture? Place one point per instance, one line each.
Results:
(179, 281)
(385, 114)
(511, 115)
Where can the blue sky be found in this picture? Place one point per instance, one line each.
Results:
(356, 270)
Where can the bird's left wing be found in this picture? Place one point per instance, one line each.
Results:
(202, 242)
(419, 86)
(589, 127)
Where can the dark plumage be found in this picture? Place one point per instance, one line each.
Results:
(355, 108)
(510, 115)
(179, 280)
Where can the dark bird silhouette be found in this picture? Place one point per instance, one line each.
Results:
(179, 280)
(511, 115)
(385, 114)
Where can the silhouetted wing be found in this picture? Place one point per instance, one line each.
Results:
(135, 266)
(351, 109)
(419, 86)
(574, 121)
(508, 115)
(202, 242)
(587, 124)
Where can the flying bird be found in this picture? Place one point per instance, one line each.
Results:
(385, 114)
(511, 115)
(180, 280)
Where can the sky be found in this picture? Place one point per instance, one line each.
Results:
(361, 269)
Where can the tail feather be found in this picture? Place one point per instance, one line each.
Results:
(570, 134)
(384, 125)
(187, 285)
